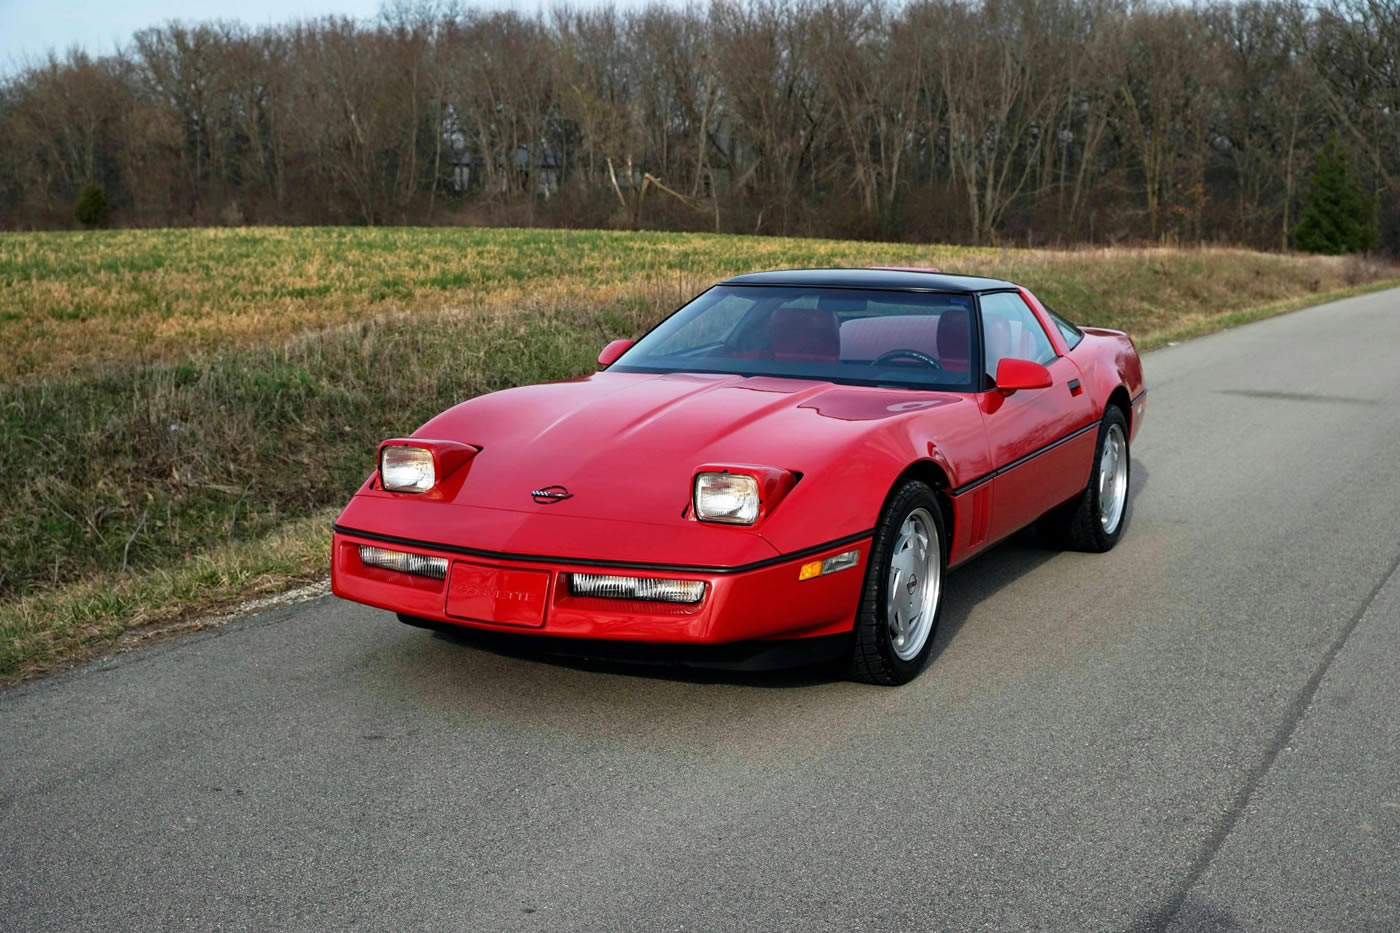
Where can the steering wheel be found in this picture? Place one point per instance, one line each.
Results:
(906, 353)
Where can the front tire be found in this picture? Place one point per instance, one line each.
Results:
(1094, 520)
(903, 593)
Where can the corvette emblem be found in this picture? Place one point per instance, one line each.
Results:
(550, 494)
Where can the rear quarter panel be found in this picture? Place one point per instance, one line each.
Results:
(1108, 360)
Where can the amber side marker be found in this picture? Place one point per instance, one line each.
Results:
(819, 568)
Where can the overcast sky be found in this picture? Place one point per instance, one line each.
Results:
(32, 27)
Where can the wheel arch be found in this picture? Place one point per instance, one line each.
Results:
(931, 473)
(1119, 397)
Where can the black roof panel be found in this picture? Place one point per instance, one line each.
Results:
(871, 278)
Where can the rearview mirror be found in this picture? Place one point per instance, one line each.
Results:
(613, 350)
(1014, 375)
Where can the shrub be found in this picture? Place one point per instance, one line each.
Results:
(1339, 217)
(92, 209)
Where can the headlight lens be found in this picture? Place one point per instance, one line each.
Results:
(609, 586)
(407, 469)
(726, 497)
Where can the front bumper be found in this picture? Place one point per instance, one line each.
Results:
(768, 602)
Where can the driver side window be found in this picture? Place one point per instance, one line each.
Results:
(1011, 330)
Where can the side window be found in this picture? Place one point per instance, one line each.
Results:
(1071, 333)
(1011, 329)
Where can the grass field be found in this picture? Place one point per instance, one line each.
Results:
(181, 411)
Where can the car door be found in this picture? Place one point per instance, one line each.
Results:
(1041, 440)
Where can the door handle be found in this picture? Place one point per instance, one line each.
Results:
(1074, 388)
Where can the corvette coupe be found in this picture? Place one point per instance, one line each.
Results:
(792, 459)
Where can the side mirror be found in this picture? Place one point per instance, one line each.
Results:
(613, 350)
(1014, 375)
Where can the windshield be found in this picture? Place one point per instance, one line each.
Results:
(837, 334)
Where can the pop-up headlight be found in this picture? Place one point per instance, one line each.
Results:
(407, 469)
(726, 497)
(411, 464)
(740, 494)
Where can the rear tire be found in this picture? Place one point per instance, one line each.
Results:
(1094, 521)
(903, 593)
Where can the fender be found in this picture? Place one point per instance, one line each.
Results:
(1110, 363)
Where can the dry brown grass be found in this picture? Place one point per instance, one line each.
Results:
(56, 628)
(74, 302)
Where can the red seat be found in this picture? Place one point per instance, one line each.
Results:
(806, 334)
(954, 340)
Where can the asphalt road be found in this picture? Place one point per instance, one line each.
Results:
(1198, 731)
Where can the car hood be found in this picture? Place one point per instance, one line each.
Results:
(626, 445)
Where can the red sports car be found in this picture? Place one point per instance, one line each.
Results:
(791, 459)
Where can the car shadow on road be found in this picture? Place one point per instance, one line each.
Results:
(1192, 915)
(608, 659)
(965, 588)
(1003, 565)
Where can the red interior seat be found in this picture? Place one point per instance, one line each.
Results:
(805, 334)
(954, 340)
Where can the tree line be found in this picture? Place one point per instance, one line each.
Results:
(994, 121)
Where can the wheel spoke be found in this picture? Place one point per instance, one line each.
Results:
(1113, 478)
(899, 567)
(912, 577)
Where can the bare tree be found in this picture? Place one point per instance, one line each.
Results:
(1354, 48)
(1163, 108)
(763, 56)
(963, 119)
(871, 73)
(997, 113)
(600, 94)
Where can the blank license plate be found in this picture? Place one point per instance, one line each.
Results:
(502, 595)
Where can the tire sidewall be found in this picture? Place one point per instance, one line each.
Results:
(1112, 416)
(872, 626)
